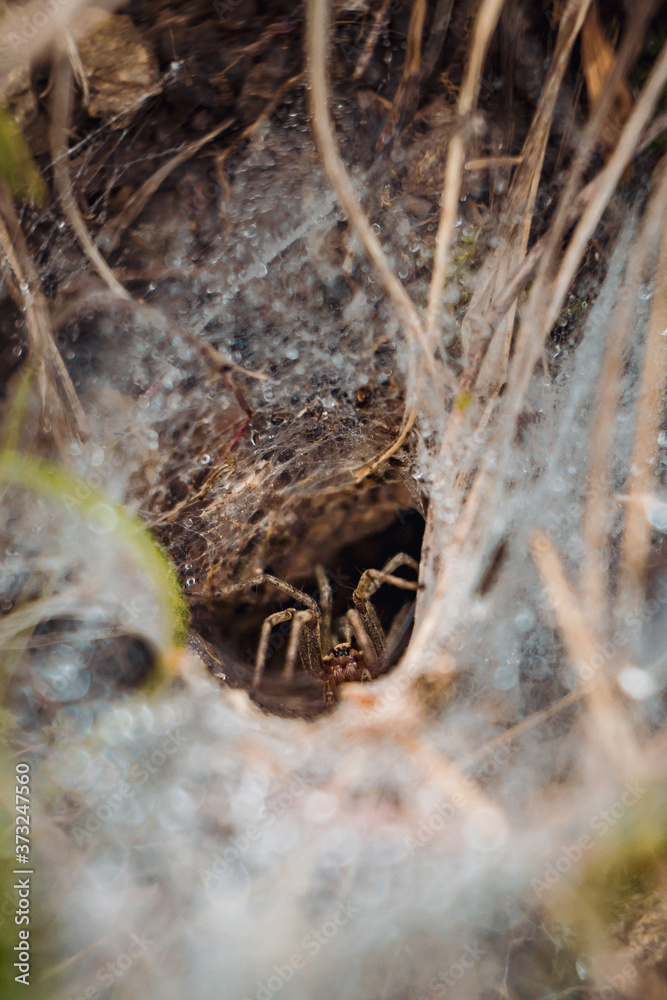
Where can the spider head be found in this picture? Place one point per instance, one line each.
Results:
(344, 663)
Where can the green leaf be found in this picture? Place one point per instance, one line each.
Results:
(17, 167)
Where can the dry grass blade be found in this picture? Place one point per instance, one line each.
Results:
(371, 41)
(521, 204)
(317, 47)
(593, 579)
(519, 730)
(407, 94)
(547, 296)
(436, 37)
(60, 114)
(485, 25)
(526, 269)
(642, 479)
(610, 727)
(55, 384)
(597, 60)
(407, 425)
(448, 776)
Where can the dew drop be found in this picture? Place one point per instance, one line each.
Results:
(636, 683)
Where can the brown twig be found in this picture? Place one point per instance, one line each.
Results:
(370, 467)
(407, 94)
(371, 41)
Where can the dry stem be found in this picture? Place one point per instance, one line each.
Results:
(642, 477)
(547, 296)
(485, 25)
(60, 114)
(53, 378)
(317, 47)
(611, 730)
(371, 41)
(593, 578)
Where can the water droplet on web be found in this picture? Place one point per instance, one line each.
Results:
(636, 683)
(583, 965)
(96, 455)
(657, 515)
(524, 619)
(102, 519)
(505, 678)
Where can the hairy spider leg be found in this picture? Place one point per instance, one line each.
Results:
(305, 648)
(326, 605)
(400, 624)
(369, 582)
(287, 588)
(260, 659)
(363, 640)
(296, 644)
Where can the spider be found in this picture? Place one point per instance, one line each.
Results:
(310, 632)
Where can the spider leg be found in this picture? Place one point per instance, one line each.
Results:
(363, 639)
(304, 641)
(326, 603)
(260, 660)
(294, 647)
(371, 579)
(369, 582)
(400, 625)
(287, 588)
